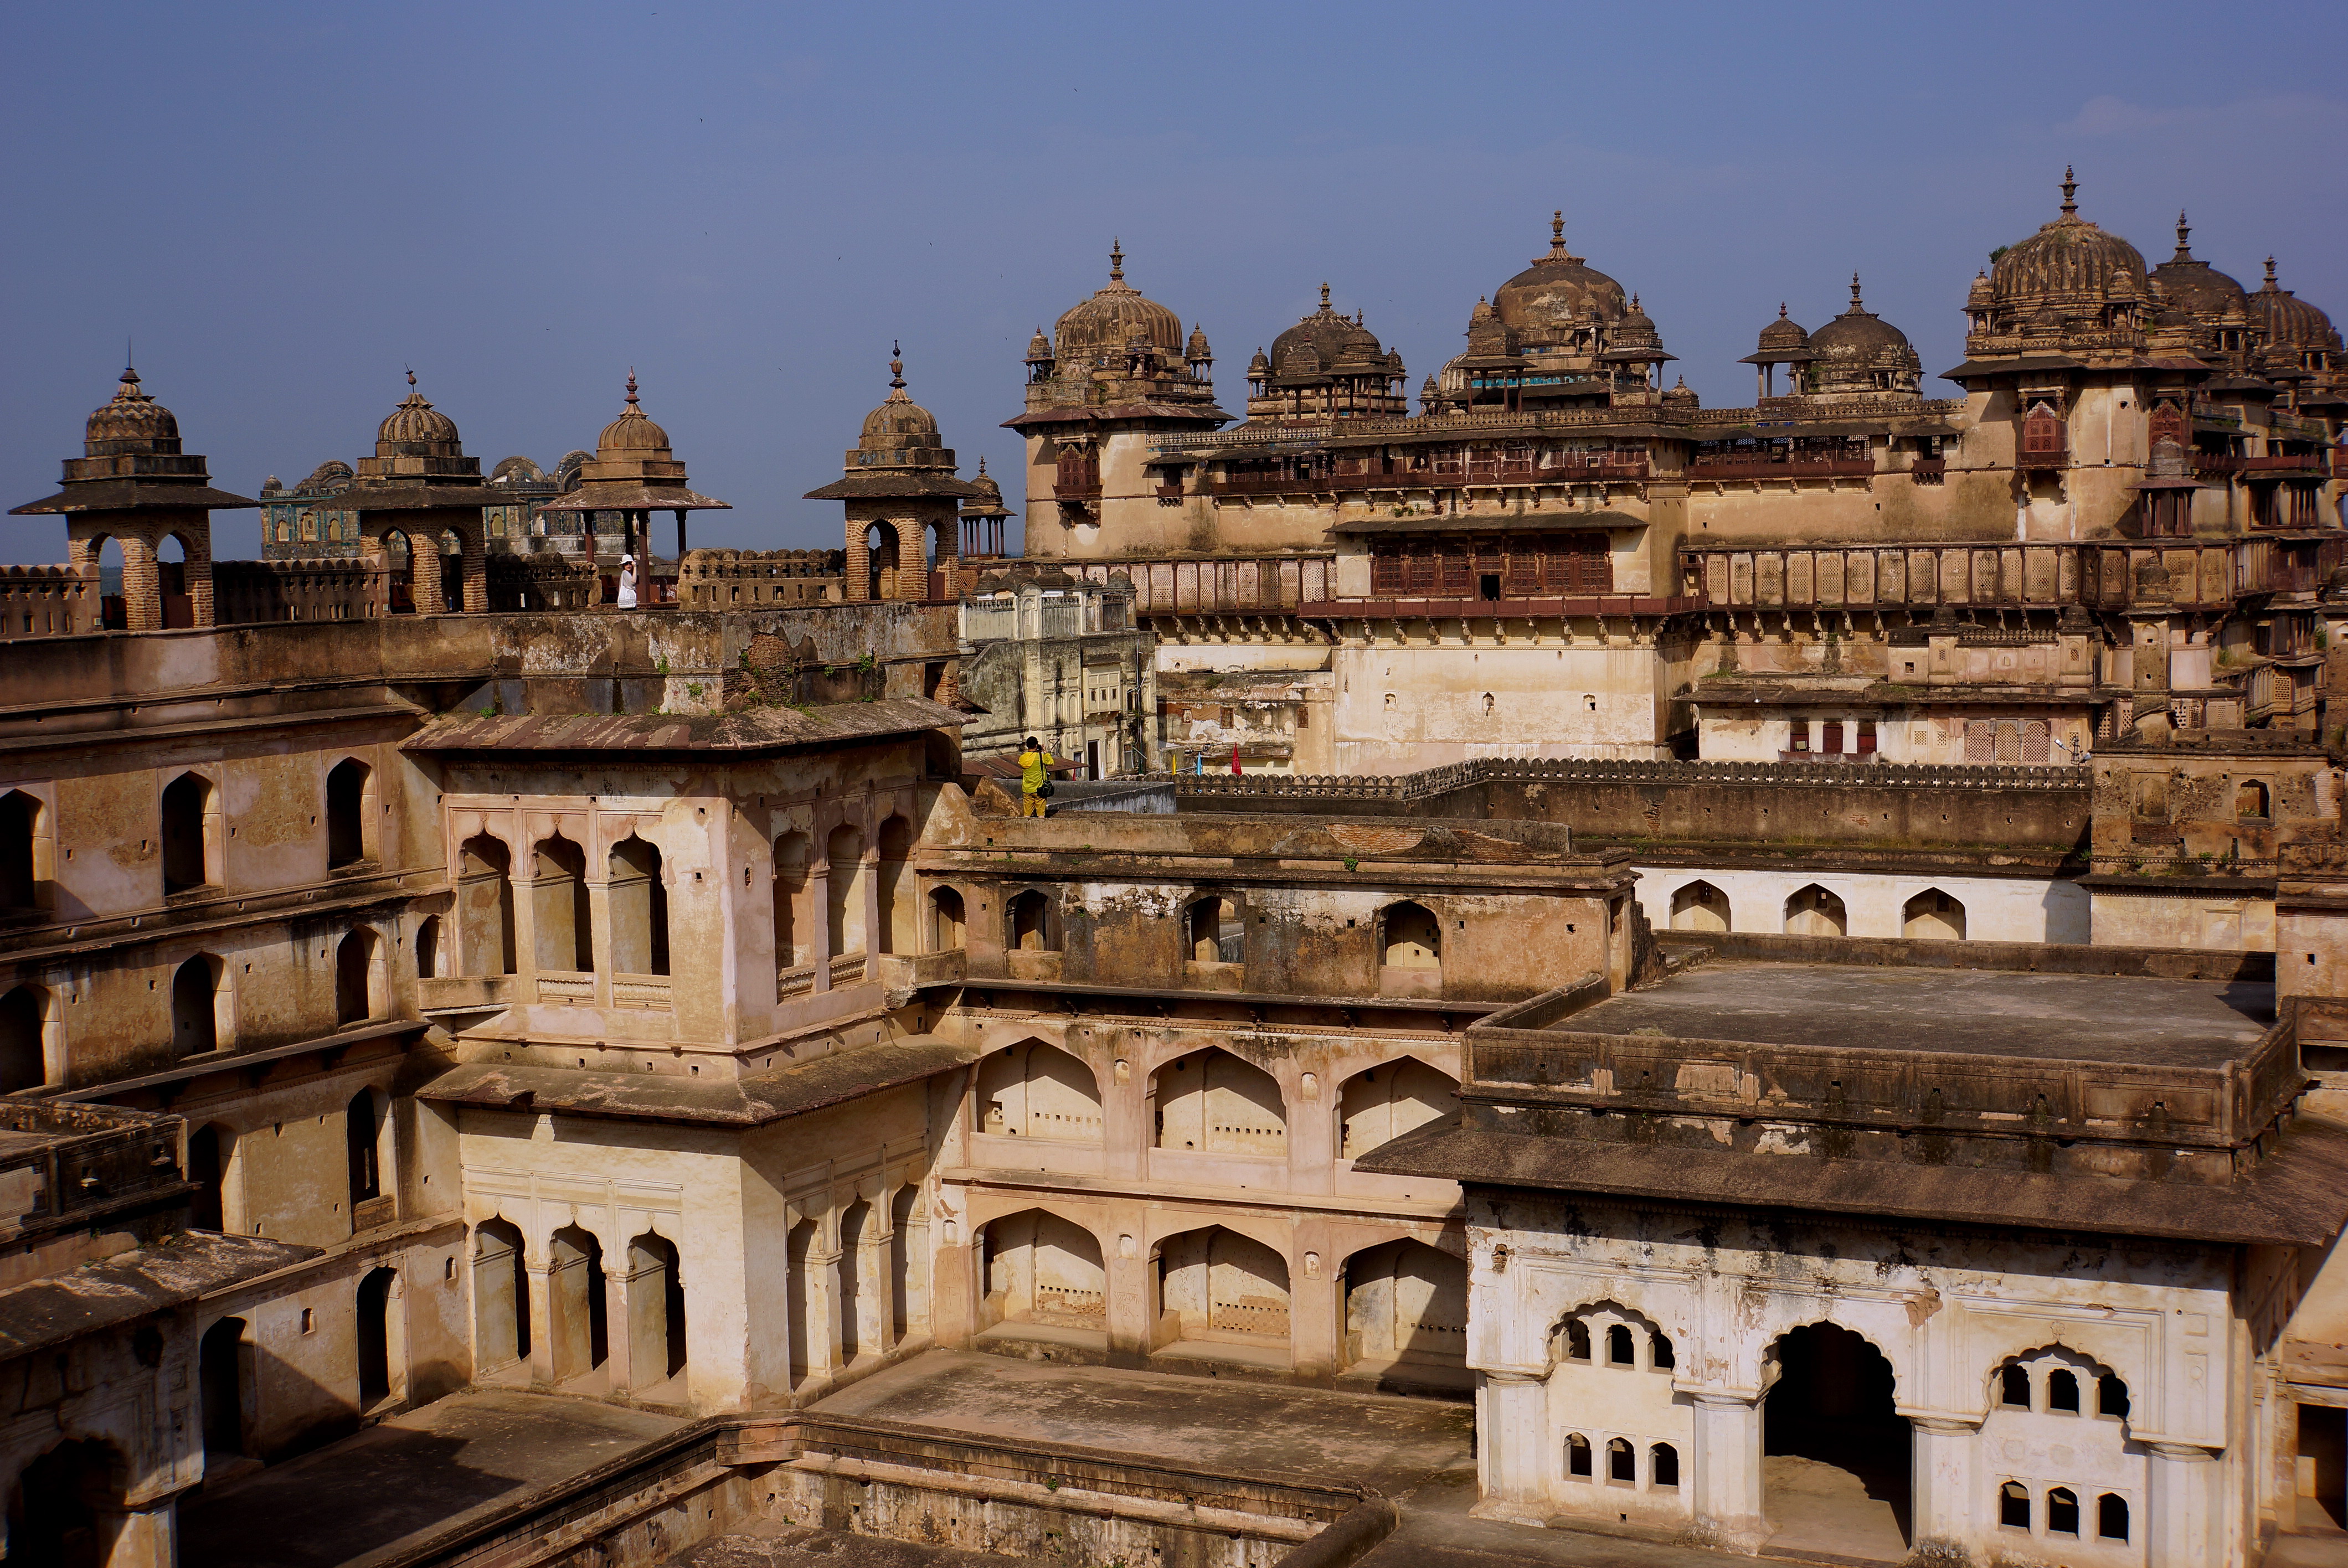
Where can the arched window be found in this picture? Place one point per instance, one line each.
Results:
(1027, 918)
(576, 1302)
(1577, 1341)
(1622, 1462)
(1214, 934)
(1659, 1352)
(1933, 916)
(2112, 1517)
(1815, 912)
(1576, 1457)
(374, 1333)
(1216, 1282)
(1663, 1467)
(1620, 1351)
(189, 831)
(23, 1017)
(1038, 1267)
(2250, 800)
(209, 1148)
(354, 977)
(195, 1006)
(20, 851)
(2063, 1390)
(2014, 1387)
(1406, 1302)
(360, 1134)
(881, 547)
(427, 947)
(844, 852)
(794, 928)
(349, 790)
(945, 920)
(1411, 937)
(1699, 906)
(2111, 1397)
(558, 906)
(2062, 1511)
(485, 911)
(639, 906)
(2014, 1505)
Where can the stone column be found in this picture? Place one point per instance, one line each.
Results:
(1727, 1470)
(475, 566)
(871, 901)
(1315, 1307)
(146, 1537)
(142, 594)
(953, 1294)
(424, 589)
(1512, 1444)
(599, 922)
(823, 1313)
(538, 1270)
(1132, 1310)
(1944, 1497)
(2180, 1525)
(818, 883)
(859, 584)
(620, 1347)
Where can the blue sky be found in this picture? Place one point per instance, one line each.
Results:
(287, 206)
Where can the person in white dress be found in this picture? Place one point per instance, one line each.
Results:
(627, 582)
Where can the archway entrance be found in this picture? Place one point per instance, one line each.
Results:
(68, 1507)
(1835, 1452)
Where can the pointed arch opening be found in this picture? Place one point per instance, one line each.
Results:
(224, 1384)
(1214, 932)
(209, 1149)
(197, 1002)
(1211, 1102)
(350, 813)
(500, 1297)
(1028, 923)
(656, 1297)
(794, 924)
(66, 1508)
(575, 1303)
(1932, 916)
(1813, 911)
(485, 906)
(1042, 1277)
(844, 881)
(1410, 937)
(638, 901)
(859, 1334)
(947, 925)
(1700, 907)
(1032, 1089)
(1379, 1104)
(558, 907)
(1218, 1287)
(1834, 1450)
(357, 985)
(1406, 1315)
(24, 852)
(377, 1330)
(190, 833)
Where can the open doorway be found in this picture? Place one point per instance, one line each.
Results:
(1834, 1451)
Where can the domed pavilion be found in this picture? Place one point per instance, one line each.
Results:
(899, 485)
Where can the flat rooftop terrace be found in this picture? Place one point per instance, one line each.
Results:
(2075, 1018)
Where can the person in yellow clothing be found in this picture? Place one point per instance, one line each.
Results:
(1032, 759)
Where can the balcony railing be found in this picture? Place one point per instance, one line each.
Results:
(2213, 464)
(1624, 470)
(1758, 468)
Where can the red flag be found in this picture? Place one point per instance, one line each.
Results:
(1235, 757)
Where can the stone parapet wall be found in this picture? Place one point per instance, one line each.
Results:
(46, 601)
(336, 588)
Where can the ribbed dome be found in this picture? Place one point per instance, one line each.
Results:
(1856, 336)
(1105, 323)
(416, 428)
(2196, 286)
(1335, 341)
(2290, 321)
(328, 477)
(632, 431)
(2070, 264)
(131, 422)
(1557, 289)
(1783, 335)
(897, 417)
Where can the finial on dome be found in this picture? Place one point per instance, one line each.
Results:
(1781, 310)
(982, 467)
(1325, 296)
(411, 376)
(1556, 227)
(2070, 184)
(2184, 253)
(1855, 302)
(1117, 261)
(2270, 273)
(896, 365)
(631, 386)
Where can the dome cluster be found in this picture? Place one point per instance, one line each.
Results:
(1326, 367)
(1558, 335)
